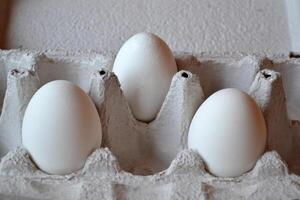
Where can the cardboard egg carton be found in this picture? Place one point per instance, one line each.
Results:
(151, 161)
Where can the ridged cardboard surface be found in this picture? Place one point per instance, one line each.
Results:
(151, 161)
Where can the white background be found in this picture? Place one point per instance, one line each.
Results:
(218, 26)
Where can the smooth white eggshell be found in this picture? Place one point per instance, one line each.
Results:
(61, 127)
(229, 132)
(145, 67)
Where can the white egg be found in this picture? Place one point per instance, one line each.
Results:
(145, 67)
(229, 132)
(61, 127)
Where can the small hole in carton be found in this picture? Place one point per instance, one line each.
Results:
(184, 75)
(294, 55)
(102, 72)
(267, 75)
(17, 71)
(14, 71)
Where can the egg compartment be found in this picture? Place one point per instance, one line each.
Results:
(146, 148)
(104, 176)
(22, 73)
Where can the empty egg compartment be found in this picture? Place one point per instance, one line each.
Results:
(157, 150)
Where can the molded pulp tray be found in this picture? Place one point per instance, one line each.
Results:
(151, 161)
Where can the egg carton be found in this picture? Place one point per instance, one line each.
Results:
(151, 161)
